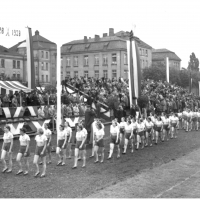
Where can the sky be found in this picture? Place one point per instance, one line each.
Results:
(170, 24)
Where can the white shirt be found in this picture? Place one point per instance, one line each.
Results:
(149, 124)
(174, 119)
(47, 133)
(68, 131)
(122, 124)
(166, 121)
(129, 128)
(40, 139)
(159, 123)
(140, 127)
(61, 135)
(24, 139)
(7, 137)
(114, 130)
(99, 133)
(134, 125)
(80, 135)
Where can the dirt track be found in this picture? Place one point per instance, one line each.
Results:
(67, 183)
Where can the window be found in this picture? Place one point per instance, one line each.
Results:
(114, 58)
(18, 64)
(68, 61)
(47, 67)
(96, 73)
(47, 55)
(36, 70)
(85, 60)
(143, 63)
(2, 73)
(68, 74)
(96, 59)
(146, 63)
(76, 61)
(14, 74)
(140, 51)
(146, 53)
(47, 80)
(143, 52)
(14, 63)
(2, 63)
(105, 59)
(75, 73)
(42, 64)
(42, 78)
(18, 75)
(114, 73)
(105, 73)
(126, 73)
(86, 74)
(125, 59)
(42, 54)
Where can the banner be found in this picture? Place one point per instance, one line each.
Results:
(30, 60)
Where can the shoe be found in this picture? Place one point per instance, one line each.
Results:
(83, 166)
(9, 171)
(19, 172)
(49, 162)
(4, 170)
(59, 163)
(118, 157)
(25, 173)
(123, 153)
(36, 174)
(74, 167)
(96, 161)
(151, 145)
(63, 164)
(108, 158)
(91, 156)
(132, 151)
(40, 163)
(42, 176)
(79, 159)
(101, 161)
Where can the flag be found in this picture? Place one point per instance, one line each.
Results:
(134, 69)
(167, 69)
(30, 60)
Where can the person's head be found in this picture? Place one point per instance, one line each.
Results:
(6, 128)
(79, 127)
(133, 119)
(114, 123)
(99, 126)
(22, 131)
(40, 131)
(46, 125)
(148, 119)
(128, 121)
(123, 119)
(61, 127)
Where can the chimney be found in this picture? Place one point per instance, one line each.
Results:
(105, 34)
(37, 32)
(96, 38)
(85, 39)
(111, 32)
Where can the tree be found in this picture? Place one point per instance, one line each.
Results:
(193, 63)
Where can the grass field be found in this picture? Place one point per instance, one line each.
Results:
(67, 183)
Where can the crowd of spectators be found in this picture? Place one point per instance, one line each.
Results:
(162, 96)
(34, 98)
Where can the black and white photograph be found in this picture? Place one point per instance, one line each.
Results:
(99, 99)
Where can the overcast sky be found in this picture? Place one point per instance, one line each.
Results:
(170, 24)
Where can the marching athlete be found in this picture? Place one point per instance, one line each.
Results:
(149, 127)
(99, 142)
(23, 151)
(61, 145)
(81, 137)
(166, 127)
(140, 133)
(128, 136)
(122, 129)
(159, 129)
(68, 130)
(40, 151)
(174, 124)
(114, 139)
(7, 149)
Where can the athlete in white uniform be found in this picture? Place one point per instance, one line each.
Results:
(166, 127)
(140, 133)
(149, 127)
(174, 124)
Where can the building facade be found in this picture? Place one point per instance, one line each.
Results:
(160, 55)
(101, 56)
(11, 64)
(44, 52)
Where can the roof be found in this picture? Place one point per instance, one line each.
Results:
(5, 51)
(117, 41)
(39, 42)
(161, 54)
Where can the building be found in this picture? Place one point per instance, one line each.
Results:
(101, 56)
(159, 56)
(44, 52)
(11, 64)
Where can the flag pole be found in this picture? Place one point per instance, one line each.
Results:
(167, 69)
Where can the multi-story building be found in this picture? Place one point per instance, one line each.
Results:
(159, 56)
(101, 56)
(44, 52)
(11, 64)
